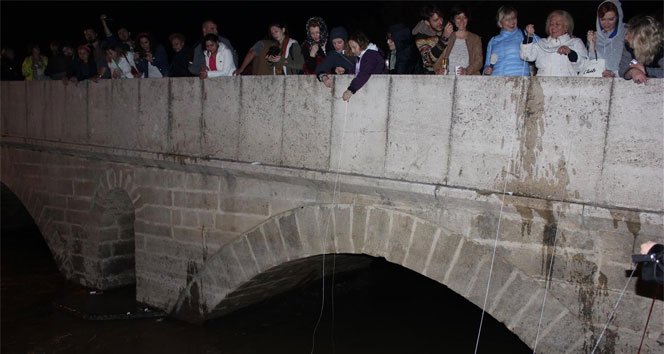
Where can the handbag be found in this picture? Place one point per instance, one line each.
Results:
(594, 68)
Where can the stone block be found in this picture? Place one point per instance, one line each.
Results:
(264, 258)
(261, 123)
(124, 113)
(342, 229)
(359, 218)
(152, 229)
(307, 123)
(55, 121)
(155, 214)
(36, 114)
(291, 236)
(153, 196)
(221, 117)
(15, 108)
(418, 130)
(444, 254)
(484, 111)
(420, 246)
(245, 206)
(152, 120)
(245, 256)
(75, 119)
(274, 240)
(400, 238)
(195, 200)
(359, 127)
(196, 182)
(561, 150)
(235, 222)
(159, 178)
(186, 115)
(633, 168)
(100, 107)
(379, 225)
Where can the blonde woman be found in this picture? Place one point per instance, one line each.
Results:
(643, 56)
(559, 54)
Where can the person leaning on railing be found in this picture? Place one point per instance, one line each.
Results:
(643, 56)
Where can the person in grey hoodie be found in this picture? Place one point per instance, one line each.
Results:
(608, 41)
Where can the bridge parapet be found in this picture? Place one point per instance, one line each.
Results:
(591, 141)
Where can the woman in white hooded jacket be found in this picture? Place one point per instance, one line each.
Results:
(560, 54)
(218, 58)
(608, 41)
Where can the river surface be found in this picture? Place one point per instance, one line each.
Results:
(383, 308)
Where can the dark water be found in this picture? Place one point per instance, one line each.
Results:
(383, 308)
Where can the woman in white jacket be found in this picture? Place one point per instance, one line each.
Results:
(120, 63)
(218, 59)
(560, 54)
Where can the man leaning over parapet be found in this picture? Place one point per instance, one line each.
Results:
(431, 37)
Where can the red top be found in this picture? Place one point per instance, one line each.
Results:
(213, 62)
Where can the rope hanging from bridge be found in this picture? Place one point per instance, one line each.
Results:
(327, 227)
(502, 205)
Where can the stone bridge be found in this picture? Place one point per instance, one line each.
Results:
(211, 195)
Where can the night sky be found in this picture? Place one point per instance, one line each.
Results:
(246, 22)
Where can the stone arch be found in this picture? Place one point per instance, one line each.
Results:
(236, 274)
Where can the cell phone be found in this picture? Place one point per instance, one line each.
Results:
(454, 26)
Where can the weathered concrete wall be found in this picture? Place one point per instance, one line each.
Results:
(422, 164)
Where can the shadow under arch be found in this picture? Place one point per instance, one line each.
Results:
(245, 270)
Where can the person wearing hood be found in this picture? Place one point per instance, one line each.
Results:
(502, 52)
(338, 61)
(643, 56)
(431, 37)
(560, 54)
(403, 58)
(369, 62)
(314, 47)
(608, 41)
(464, 49)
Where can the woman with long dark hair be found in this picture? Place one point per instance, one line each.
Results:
(285, 59)
(151, 59)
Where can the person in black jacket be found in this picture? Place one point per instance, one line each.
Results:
(83, 68)
(11, 70)
(404, 56)
(339, 61)
(183, 55)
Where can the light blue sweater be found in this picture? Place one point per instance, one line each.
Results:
(507, 46)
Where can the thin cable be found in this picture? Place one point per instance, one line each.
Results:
(614, 310)
(500, 216)
(643, 336)
(547, 280)
(327, 226)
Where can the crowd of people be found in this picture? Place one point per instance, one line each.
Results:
(437, 44)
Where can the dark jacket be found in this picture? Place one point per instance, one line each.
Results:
(408, 57)
(310, 63)
(11, 71)
(83, 71)
(159, 59)
(334, 60)
(180, 63)
(58, 66)
(370, 63)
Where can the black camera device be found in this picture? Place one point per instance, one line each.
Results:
(274, 51)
